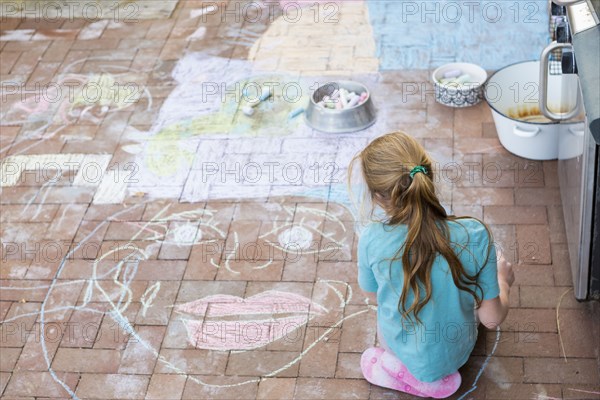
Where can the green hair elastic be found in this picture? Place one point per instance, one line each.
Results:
(417, 169)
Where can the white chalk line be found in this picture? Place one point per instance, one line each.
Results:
(47, 297)
(151, 293)
(485, 363)
(54, 310)
(583, 391)
(42, 286)
(344, 299)
(265, 265)
(88, 296)
(236, 246)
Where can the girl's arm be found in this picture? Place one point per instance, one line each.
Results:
(493, 312)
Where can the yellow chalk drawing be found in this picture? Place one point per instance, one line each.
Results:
(104, 90)
(166, 156)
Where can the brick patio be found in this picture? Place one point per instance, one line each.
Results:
(96, 271)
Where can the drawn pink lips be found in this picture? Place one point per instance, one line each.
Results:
(225, 322)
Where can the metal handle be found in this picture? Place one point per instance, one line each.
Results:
(566, 2)
(525, 134)
(543, 99)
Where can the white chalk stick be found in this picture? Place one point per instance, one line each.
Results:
(295, 113)
(344, 97)
(463, 78)
(247, 110)
(265, 94)
(453, 73)
(354, 101)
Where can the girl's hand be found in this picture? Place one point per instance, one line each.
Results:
(505, 271)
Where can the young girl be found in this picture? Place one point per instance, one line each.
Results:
(432, 274)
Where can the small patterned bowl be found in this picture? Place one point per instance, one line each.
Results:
(459, 95)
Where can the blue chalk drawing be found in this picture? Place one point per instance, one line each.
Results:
(427, 34)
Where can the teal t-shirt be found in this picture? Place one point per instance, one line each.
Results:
(447, 335)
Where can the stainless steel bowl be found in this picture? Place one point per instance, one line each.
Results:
(340, 121)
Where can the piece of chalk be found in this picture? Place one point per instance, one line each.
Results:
(247, 110)
(329, 104)
(463, 79)
(354, 101)
(363, 97)
(265, 94)
(295, 113)
(453, 73)
(343, 97)
(339, 105)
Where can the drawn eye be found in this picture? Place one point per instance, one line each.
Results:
(310, 231)
(192, 227)
(183, 234)
(297, 235)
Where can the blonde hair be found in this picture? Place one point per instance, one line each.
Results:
(410, 199)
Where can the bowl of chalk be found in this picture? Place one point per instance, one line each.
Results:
(459, 84)
(340, 107)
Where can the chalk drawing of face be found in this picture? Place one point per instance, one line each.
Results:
(219, 322)
(272, 314)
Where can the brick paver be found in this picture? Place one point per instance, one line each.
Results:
(184, 197)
